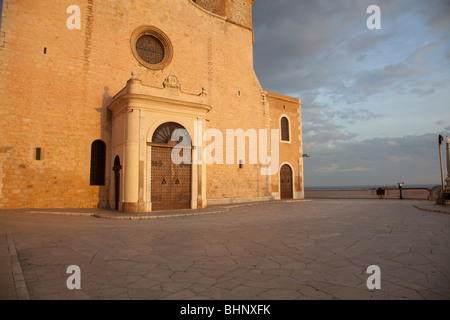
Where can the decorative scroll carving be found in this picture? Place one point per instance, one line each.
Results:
(172, 81)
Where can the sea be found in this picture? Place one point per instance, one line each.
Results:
(429, 186)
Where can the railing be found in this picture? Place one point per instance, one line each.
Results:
(368, 193)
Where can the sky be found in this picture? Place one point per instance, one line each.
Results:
(374, 100)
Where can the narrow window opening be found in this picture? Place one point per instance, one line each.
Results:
(284, 129)
(45, 50)
(38, 154)
(98, 163)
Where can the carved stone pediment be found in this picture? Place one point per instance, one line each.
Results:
(172, 81)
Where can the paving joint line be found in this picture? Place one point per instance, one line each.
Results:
(19, 280)
(431, 210)
(119, 216)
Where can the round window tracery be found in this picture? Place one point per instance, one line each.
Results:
(151, 47)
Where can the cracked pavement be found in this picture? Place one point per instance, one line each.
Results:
(317, 249)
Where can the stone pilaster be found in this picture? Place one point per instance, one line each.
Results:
(131, 161)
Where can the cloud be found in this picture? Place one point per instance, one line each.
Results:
(402, 77)
(348, 76)
(362, 42)
(335, 168)
(440, 20)
(412, 159)
(319, 131)
(400, 158)
(354, 114)
(303, 46)
(295, 43)
(320, 128)
(422, 92)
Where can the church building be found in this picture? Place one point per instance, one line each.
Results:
(140, 106)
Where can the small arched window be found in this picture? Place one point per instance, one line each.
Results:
(285, 129)
(98, 163)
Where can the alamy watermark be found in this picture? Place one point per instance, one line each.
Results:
(74, 20)
(74, 281)
(374, 21)
(374, 281)
(214, 152)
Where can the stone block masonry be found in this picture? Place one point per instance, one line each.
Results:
(56, 85)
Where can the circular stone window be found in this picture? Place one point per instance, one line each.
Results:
(151, 47)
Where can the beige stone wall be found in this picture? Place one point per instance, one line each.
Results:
(240, 12)
(291, 151)
(52, 101)
(235, 11)
(58, 101)
(214, 6)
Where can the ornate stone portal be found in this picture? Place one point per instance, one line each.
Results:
(137, 111)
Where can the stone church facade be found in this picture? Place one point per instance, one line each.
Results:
(92, 114)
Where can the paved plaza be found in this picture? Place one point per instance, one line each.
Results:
(319, 249)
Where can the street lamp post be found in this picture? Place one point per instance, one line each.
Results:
(442, 171)
(447, 180)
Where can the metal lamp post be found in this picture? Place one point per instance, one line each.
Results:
(442, 171)
(447, 180)
(440, 159)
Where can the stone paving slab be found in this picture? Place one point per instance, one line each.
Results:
(116, 215)
(299, 250)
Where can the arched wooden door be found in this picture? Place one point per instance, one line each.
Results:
(170, 182)
(286, 182)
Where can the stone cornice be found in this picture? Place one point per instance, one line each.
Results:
(155, 103)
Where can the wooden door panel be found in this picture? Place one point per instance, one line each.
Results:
(286, 182)
(170, 183)
(181, 187)
(160, 176)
